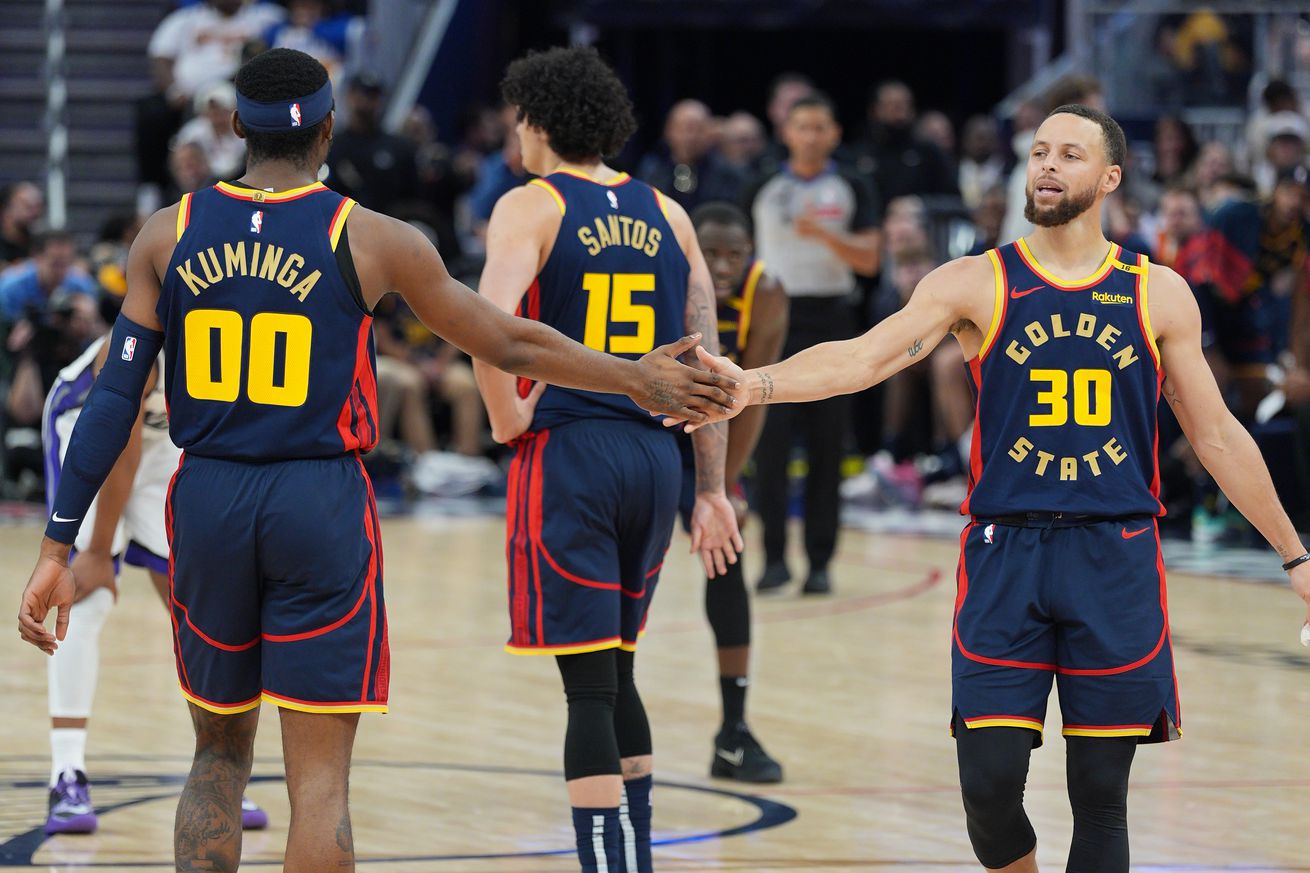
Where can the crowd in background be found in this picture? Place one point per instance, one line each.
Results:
(1229, 215)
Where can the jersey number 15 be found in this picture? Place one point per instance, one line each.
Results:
(609, 302)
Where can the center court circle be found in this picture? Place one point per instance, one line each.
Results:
(20, 850)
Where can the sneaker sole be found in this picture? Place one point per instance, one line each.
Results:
(724, 770)
(78, 824)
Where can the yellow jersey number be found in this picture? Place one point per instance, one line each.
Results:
(203, 328)
(609, 302)
(1091, 398)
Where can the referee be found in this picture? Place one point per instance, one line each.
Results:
(816, 226)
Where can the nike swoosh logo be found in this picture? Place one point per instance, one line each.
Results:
(734, 758)
(1015, 293)
(56, 517)
(1128, 535)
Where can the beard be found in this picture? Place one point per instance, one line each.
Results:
(1070, 207)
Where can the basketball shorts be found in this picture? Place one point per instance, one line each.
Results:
(140, 538)
(1084, 606)
(590, 514)
(277, 585)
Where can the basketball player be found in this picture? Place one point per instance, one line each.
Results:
(752, 306)
(124, 523)
(611, 262)
(1060, 574)
(259, 292)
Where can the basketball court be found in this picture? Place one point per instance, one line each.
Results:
(851, 693)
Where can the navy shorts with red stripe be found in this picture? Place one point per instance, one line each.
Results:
(589, 517)
(276, 585)
(1084, 606)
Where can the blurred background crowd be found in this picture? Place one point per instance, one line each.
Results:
(932, 133)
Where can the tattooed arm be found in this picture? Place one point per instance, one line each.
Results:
(1221, 442)
(714, 530)
(955, 296)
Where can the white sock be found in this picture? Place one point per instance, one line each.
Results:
(71, 673)
(67, 752)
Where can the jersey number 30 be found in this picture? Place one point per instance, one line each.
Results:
(609, 302)
(1091, 398)
(277, 356)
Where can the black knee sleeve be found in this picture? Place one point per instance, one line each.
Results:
(631, 726)
(591, 688)
(993, 770)
(728, 607)
(1097, 769)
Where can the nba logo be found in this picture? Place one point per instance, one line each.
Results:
(988, 533)
(129, 348)
(257, 221)
(614, 201)
(295, 115)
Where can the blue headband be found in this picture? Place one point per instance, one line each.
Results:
(285, 115)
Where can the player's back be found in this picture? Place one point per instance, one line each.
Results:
(1067, 384)
(615, 280)
(268, 343)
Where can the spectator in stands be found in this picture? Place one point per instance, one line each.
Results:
(936, 127)
(211, 129)
(988, 219)
(1254, 264)
(191, 49)
(1277, 96)
(816, 226)
(684, 165)
(22, 206)
(1027, 117)
(784, 91)
(49, 306)
(1286, 134)
(899, 162)
(498, 173)
(413, 366)
(1086, 90)
(442, 181)
(317, 29)
(1181, 229)
(1213, 163)
(742, 142)
(376, 168)
(188, 170)
(1175, 149)
(982, 166)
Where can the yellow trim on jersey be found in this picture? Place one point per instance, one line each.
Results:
(1106, 732)
(617, 180)
(261, 196)
(1142, 302)
(183, 215)
(309, 707)
(998, 304)
(660, 202)
(1004, 722)
(334, 232)
(553, 192)
(235, 709)
(748, 303)
(612, 643)
(1097, 275)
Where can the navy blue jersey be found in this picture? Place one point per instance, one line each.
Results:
(735, 314)
(1066, 383)
(615, 281)
(269, 348)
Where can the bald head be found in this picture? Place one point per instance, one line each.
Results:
(687, 131)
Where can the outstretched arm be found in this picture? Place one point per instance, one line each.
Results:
(391, 255)
(1221, 443)
(956, 292)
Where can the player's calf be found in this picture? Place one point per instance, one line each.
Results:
(207, 830)
(993, 770)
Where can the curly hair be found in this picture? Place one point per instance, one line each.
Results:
(573, 96)
(281, 74)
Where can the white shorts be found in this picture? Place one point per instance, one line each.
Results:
(141, 538)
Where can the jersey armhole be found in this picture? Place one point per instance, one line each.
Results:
(748, 302)
(1143, 309)
(553, 192)
(183, 216)
(998, 303)
(346, 266)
